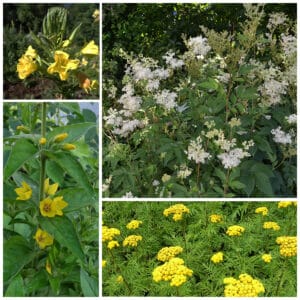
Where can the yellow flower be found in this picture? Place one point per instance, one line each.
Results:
(23, 128)
(165, 178)
(266, 258)
(271, 225)
(215, 218)
(59, 205)
(104, 262)
(284, 204)
(26, 66)
(109, 233)
(90, 49)
(24, 192)
(66, 43)
(217, 257)
(68, 147)
(167, 253)
(262, 210)
(177, 210)
(132, 240)
(42, 141)
(288, 245)
(120, 279)
(48, 267)
(50, 189)
(96, 15)
(62, 65)
(134, 224)
(112, 244)
(50, 208)
(235, 230)
(31, 52)
(43, 238)
(60, 137)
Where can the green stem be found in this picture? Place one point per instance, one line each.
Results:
(226, 183)
(198, 173)
(42, 155)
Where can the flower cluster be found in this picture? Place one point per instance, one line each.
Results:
(245, 286)
(235, 230)
(132, 240)
(262, 210)
(217, 257)
(173, 270)
(134, 224)
(281, 137)
(167, 253)
(271, 225)
(288, 245)
(112, 244)
(177, 210)
(283, 204)
(196, 152)
(108, 234)
(215, 218)
(266, 258)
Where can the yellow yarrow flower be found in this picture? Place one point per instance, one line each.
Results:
(90, 49)
(235, 230)
(262, 210)
(271, 225)
(132, 240)
(167, 253)
(217, 257)
(134, 224)
(43, 238)
(50, 189)
(62, 65)
(112, 244)
(48, 267)
(68, 147)
(266, 258)
(215, 218)
(42, 141)
(24, 192)
(60, 137)
(51, 208)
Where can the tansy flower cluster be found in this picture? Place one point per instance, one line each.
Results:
(173, 270)
(134, 224)
(217, 257)
(284, 204)
(245, 286)
(132, 240)
(262, 210)
(288, 245)
(271, 225)
(167, 253)
(108, 234)
(266, 258)
(177, 210)
(215, 218)
(235, 230)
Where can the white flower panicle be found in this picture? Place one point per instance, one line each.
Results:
(291, 119)
(131, 103)
(288, 44)
(183, 171)
(127, 127)
(199, 46)
(166, 99)
(281, 137)
(233, 158)
(173, 62)
(128, 195)
(113, 118)
(196, 152)
(275, 20)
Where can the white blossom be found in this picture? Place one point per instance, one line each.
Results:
(128, 195)
(275, 20)
(289, 44)
(232, 158)
(113, 118)
(291, 119)
(199, 46)
(183, 171)
(281, 137)
(155, 182)
(173, 62)
(166, 99)
(196, 152)
(127, 127)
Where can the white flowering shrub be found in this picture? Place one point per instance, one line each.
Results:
(218, 120)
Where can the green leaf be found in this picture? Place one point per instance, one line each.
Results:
(237, 185)
(210, 84)
(263, 184)
(88, 284)
(21, 152)
(37, 282)
(72, 166)
(74, 131)
(16, 288)
(219, 173)
(17, 253)
(77, 198)
(64, 232)
(55, 172)
(263, 169)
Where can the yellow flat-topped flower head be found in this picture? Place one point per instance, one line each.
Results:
(43, 238)
(90, 49)
(266, 258)
(134, 224)
(62, 65)
(112, 244)
(215, 218)
(217, 257)
(262, 210)
(50, 189)
(24, 192)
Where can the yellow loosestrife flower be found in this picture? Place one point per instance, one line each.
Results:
(51, 208)
(68, 147)
(59, 205)
(134, 224)
(43, 238)
(50, 189)
(48, 267)
(26, 64)
(266, 258)
(42, 141)
(217, 257)
(60, 137)
(24, 192)
(62, 65)
(91, 49)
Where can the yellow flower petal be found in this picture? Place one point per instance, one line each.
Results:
(59, 204)
(91, 49)
(24, 192)
(43, 238)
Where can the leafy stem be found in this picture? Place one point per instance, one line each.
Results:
(42, 155)
(226, 182)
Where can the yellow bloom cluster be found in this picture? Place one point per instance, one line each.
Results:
(245, 286)
(173, 270)
(262, 210)
(288, 245)
(271, 225)
(215, 218)
(108, 234)
(112, 244)
(134, 224)
(235, 230)
(177, 210)
(284, 204)
(104, 262)
(217, 257)
(167, 253)
(266, 258)
(132, 240)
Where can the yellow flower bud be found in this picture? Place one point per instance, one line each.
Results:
(42, 141)
(68, 147)
(60, 137)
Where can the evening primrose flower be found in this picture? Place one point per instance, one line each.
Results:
(60, 137)
(27, 64)
(42, 141)
(62, 65)
(24, 192)
(43, 238)
(68, 147)
(91, 49)
(50, 189)
(134, 224)
(217, 257)
(50, 208)
(266, 258)
(132, 240)
(262, 210)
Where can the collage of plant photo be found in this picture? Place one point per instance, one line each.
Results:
(149, 149)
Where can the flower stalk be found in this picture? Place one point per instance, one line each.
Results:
(42, 155)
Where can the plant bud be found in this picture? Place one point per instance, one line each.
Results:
(60, 137)
(68, 147)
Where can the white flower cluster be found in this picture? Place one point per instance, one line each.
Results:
(131, 103)
(275, 20)
(288, 44)
(171, 61)
(198, 46)
(183, 171)
(233, 158)
(166, 99)
(128, 195)
(291, 119)
(106, 184)
(281, 137)
(196, 152)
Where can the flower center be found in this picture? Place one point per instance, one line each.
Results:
(47, 207)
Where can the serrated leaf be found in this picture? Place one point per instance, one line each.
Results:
(64, 233)
(89, 285)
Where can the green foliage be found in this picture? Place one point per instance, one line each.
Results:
(75, 233)
(200, 239)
